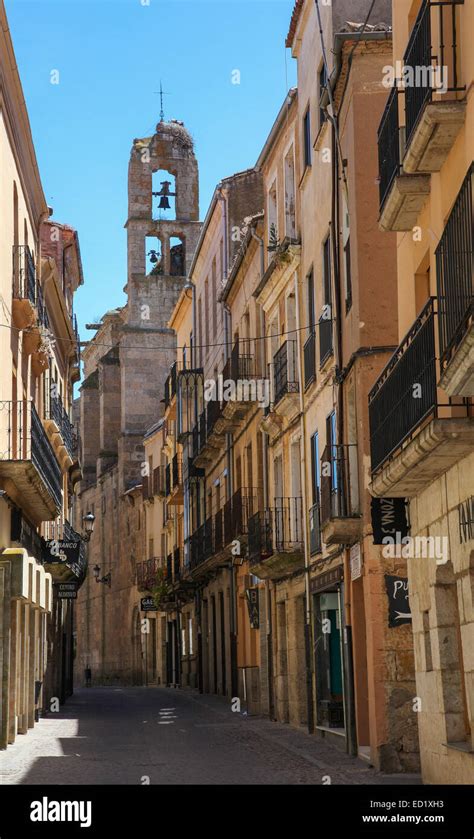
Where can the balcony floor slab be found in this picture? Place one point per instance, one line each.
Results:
(278, 565)
(404, 202)
(434, 136)
(458, 377)
(437, 447)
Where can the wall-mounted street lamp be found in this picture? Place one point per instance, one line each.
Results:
(107, 579)
(88, 521)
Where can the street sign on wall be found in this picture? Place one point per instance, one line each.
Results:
(253, 607)
(398, 602)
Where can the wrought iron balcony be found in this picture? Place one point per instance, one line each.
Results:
(340, 506)
(27, 457)
(433, 115)
(239, 365)
(55, 413)
(424, 55)
(148, 573)
(275, 539)
(388, 146)
(405, 407)
(394, 413)
(309, 353)
(454, 272)
(24, 274)
(285, 370)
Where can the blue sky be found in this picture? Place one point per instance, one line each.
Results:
(111, 55)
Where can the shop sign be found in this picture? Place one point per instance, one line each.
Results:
(147, 604)
(389, 518)
(326, 580)
(253, 607)
(61, 550)
(67, 591)
(398, 602)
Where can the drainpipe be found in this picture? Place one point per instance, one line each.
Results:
(308, 623)
(351, 735)
(267, 589)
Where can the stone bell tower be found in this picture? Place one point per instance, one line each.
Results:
(163, 229)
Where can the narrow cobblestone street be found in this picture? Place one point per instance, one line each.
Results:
(120, 735)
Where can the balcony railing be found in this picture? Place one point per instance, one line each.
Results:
(395, 410)
(339, 482)
(54, 410)
(454, 272)
(388, 146)
(285, 370)
(418, 55)
(278, 529)
(23, 438)
(239, 365)
(148, 573)
(24, 274)
(309, 353)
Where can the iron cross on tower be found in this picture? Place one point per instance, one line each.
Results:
(162, 93)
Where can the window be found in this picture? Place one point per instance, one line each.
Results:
(310, 300)
(322, 81)
(346, 244)
(347, 273)
(331, 444)
(272, 217)
(290, 214)
(315, 474)
(214, 297)
(307, 138)
(327, 272)
(206, 315)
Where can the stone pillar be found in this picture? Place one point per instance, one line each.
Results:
(5, 619)
(14, 667)
(24, 668)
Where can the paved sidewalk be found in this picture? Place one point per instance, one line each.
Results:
(130, 735)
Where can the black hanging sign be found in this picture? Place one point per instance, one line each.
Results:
(389, 518)
(253, 607)
(398, 602)
(147, 604)
(61, 550)
(67, 591)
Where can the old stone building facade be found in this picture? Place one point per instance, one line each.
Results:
(40, 271)
(421, 416)
(125, 367)
(239, 415)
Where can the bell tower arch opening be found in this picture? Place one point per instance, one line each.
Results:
(163, 195)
